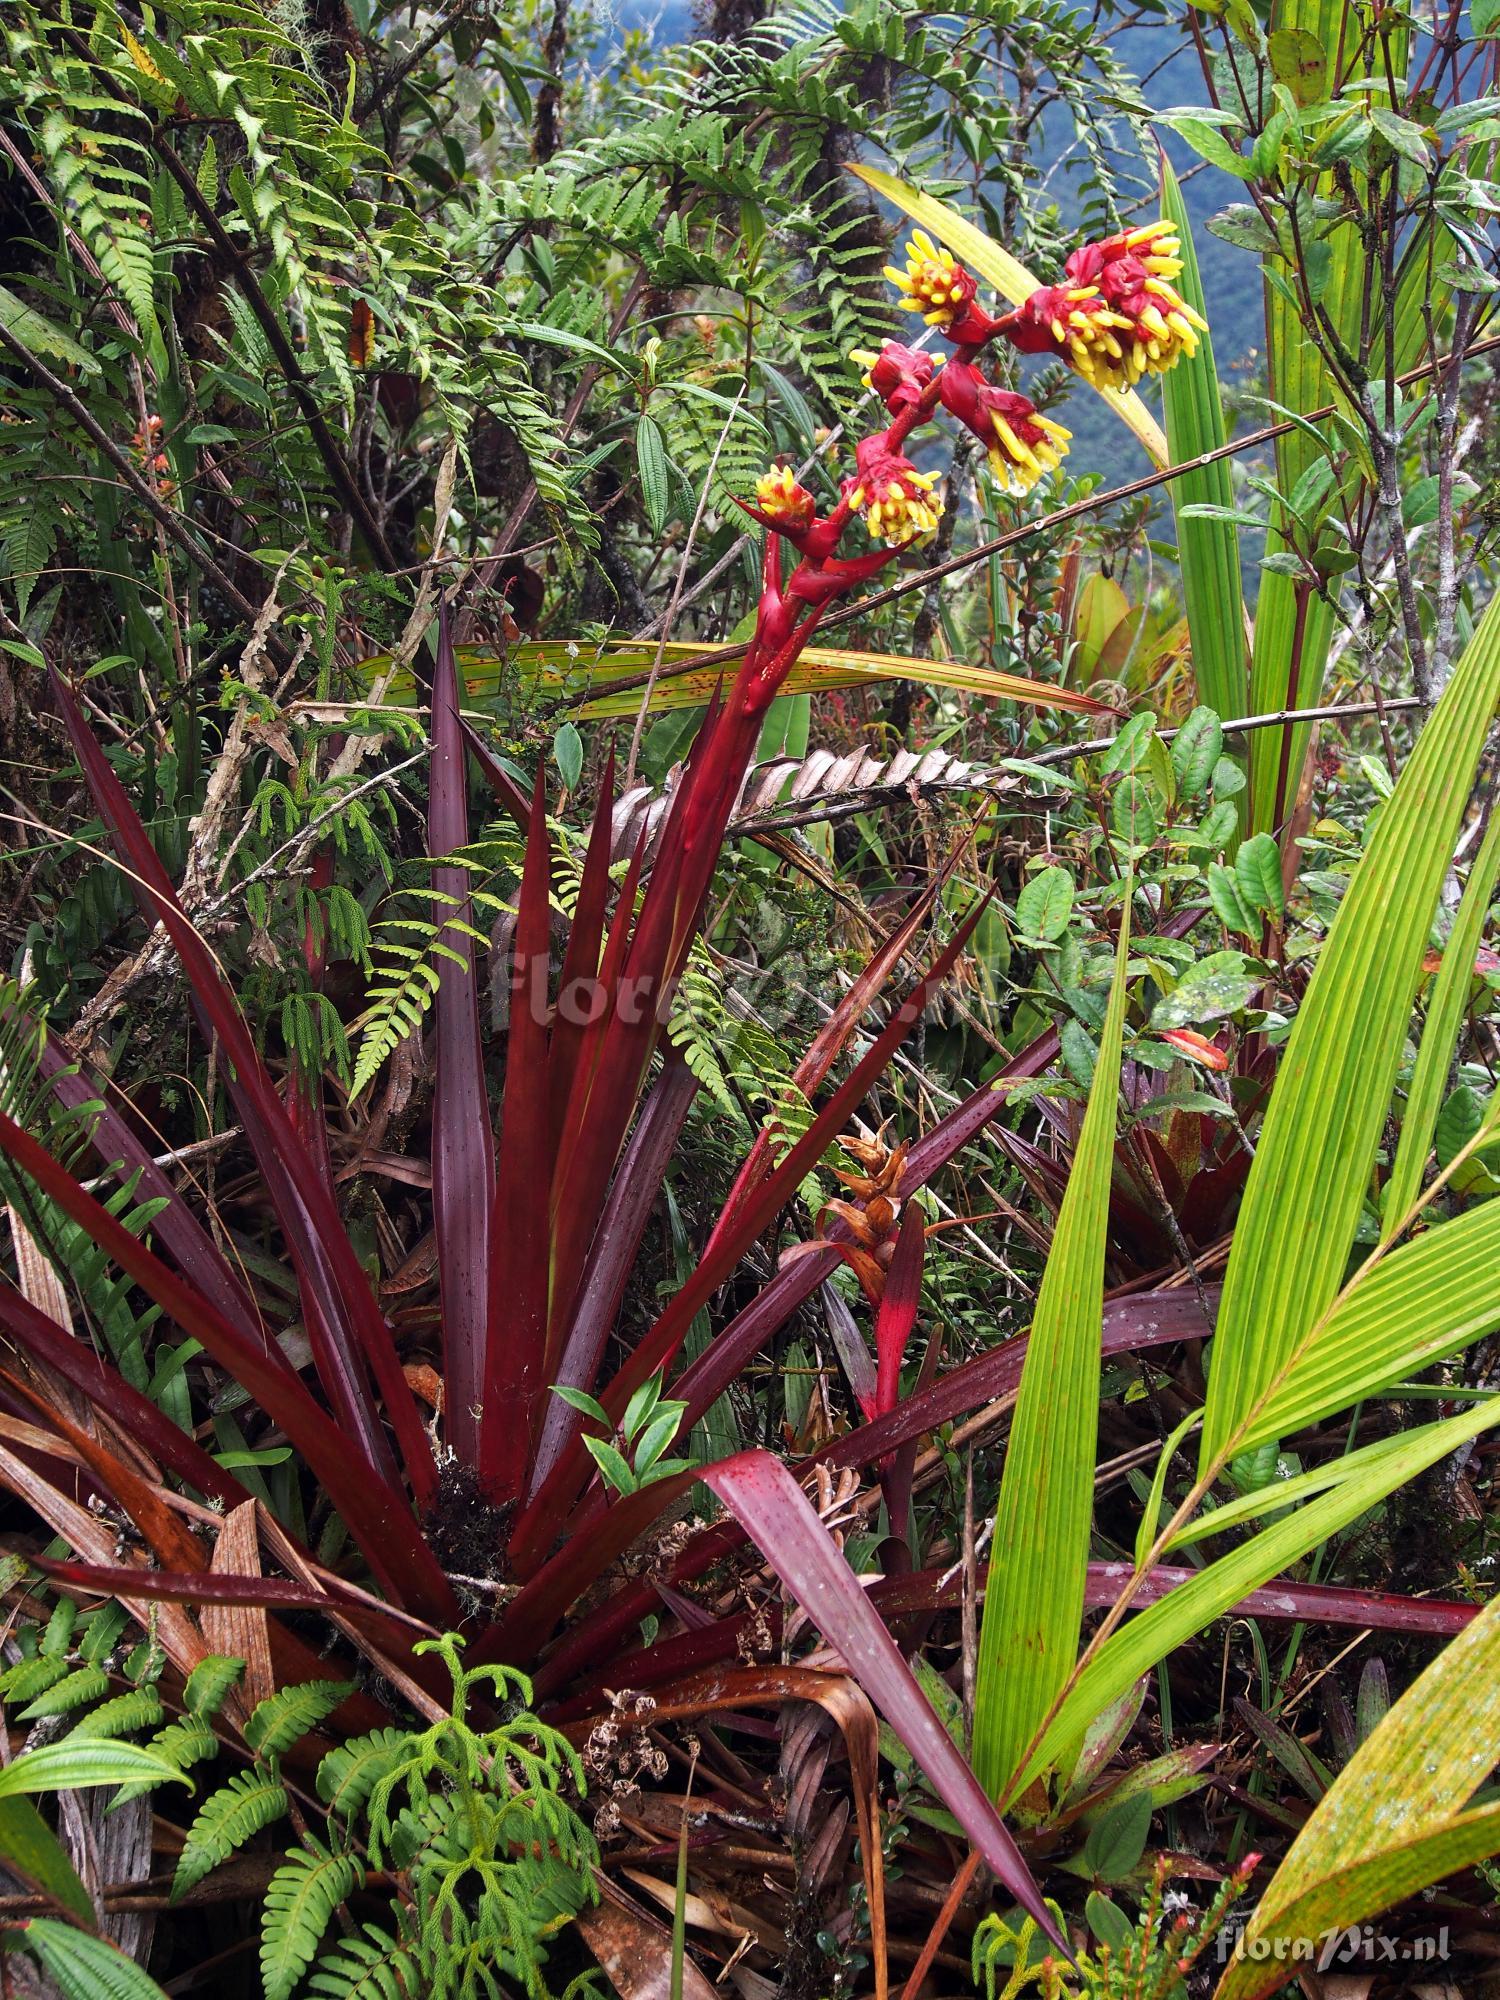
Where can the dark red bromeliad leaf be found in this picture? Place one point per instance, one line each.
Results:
(377, 1514)
(777, 1515)
(463, 1150)
(353, 1346)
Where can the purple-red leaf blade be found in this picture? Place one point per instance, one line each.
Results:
(780, 1520)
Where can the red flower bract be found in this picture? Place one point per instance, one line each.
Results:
(897, 501)
(898, 375)
(1021, 443)
(1117, 317)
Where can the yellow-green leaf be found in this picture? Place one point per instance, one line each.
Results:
(1450, 997)
(1316, 1149)
(1150, 1635)
(1393, 1820)
(584, 675)
(1208, 551)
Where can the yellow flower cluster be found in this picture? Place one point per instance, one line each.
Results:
(900, 509)
(783, 500)
(934, 283)
(1017, 460)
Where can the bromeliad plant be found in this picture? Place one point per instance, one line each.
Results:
(536, 1233)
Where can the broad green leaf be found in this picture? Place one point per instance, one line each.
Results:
(1118, 1838)
(1394, 1819)
(1132, 813)
(1299, 60)
(1459, 1123)
(1149, 1635)
(1229, 904)
(82, 1967)
(1450, 997)
(41, 335)
(1208, 991)
(80, 1762)
(656, 487)
(1011, 279)
(1421, 1302)
(1316, 1148)
(1257, 869)
(1208, 550)
(567, 754)
(1045, 904)
(1033, 1607)
(31, 1851)
(1195, 752)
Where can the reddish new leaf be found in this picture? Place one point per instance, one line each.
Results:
(350, 1334)
(898, 1310)
(376, 1514)
(520, 1264)
(34, 1333)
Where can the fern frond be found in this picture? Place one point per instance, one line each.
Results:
(373, 1966)
(283, 1718)
(244, 1807)
(209, 1684)
(139, 1709)
(348, 1775)
(74, 1690)
(188, 1742)
(301, 1900)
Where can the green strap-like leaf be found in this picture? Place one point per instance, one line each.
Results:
(1353, 1892)
(1151, 1634)
(32, 1852)
(1208, 551)
(1450, 997)
(1009, 277)
(1421, 1303)
(78, 1762)
(1033, 1607)
(1316, 1150)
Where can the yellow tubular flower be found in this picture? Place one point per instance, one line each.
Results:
(1117, 315)
(1026, 448)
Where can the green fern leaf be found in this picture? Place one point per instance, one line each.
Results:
(210, 1682)
(83, 1967)
(84, 1684)
(348, 1775)
(375, 1966)
(286, 1716)
(183, 1743)
(29, 1678)
(301, 1900)
(139, 1709)
(249, 1803)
